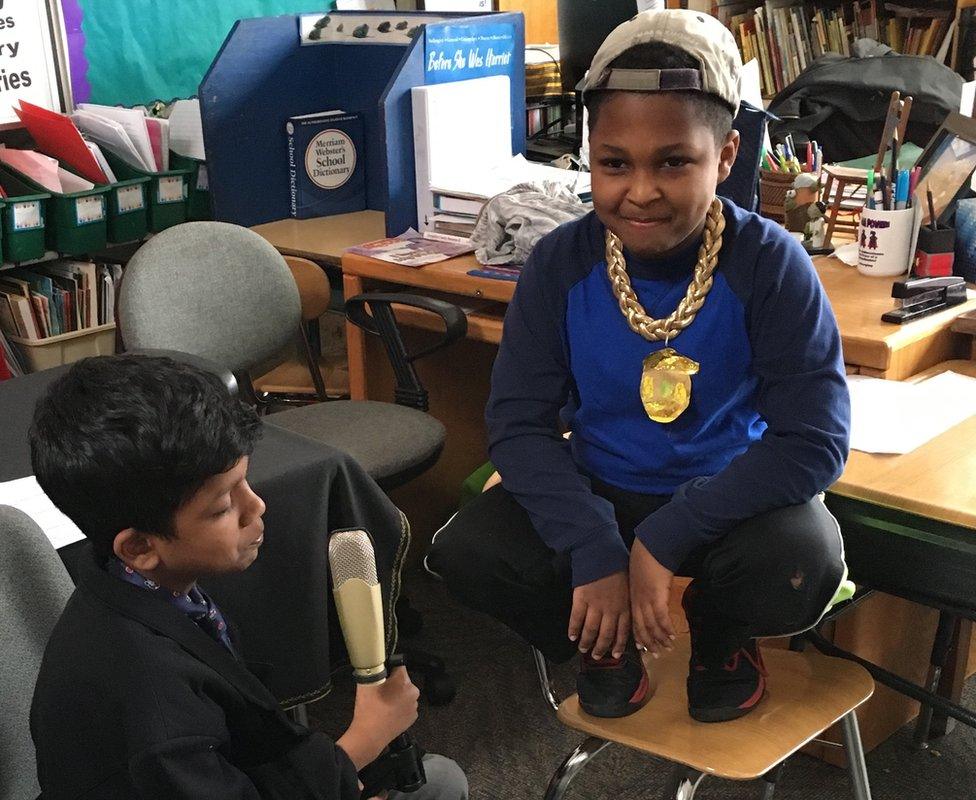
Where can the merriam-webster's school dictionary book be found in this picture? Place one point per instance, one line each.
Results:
(326, 173)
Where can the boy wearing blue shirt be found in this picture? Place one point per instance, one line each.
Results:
(689, 349)
(142, 692)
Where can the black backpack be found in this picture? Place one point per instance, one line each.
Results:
(841, 102)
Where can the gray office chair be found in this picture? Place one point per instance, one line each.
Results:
(222, 292)
(34, 586)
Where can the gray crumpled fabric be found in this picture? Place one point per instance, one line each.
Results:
(512, 222)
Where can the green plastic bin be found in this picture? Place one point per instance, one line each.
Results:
(77, 222)
(128, 210)
(198, 202)
(168, 191)
(24, 212)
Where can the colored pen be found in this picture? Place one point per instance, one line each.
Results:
(869, 189)
(883, 188)
(817, 158)
(913, 183)
(901, 190)
(809, 156)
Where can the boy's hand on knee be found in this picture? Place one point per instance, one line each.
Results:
(650, 592)
(383, 711)
(600, 619)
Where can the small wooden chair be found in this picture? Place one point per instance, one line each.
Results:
(313, 377)
(806, 694)
(896, 121)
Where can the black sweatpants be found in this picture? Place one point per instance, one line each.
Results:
(772, 575)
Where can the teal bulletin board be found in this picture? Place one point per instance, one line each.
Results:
(130, 52)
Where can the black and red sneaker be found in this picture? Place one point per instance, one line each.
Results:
(727, 691)
(613, 687)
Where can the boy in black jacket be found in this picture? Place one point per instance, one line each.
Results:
(141, 692)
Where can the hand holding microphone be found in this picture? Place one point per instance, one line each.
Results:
(386, 705)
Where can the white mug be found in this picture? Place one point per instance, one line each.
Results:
(885, 241)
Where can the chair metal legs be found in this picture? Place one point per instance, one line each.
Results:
(299, 714)
(574, 762)
(683, 783)
(855, 757)
(545, 680)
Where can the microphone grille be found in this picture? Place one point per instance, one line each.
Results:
(351, 556)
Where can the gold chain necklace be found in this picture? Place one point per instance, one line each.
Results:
(665, 386)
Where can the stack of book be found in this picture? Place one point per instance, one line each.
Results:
(786, 36)
(57, 297)
(459, 200)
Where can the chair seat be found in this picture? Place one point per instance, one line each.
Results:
(386, 439)
(806, 694)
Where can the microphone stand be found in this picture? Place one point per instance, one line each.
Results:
(401, 767)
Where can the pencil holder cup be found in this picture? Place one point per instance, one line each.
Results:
(935, 252)
(773, 187)
(884, 241)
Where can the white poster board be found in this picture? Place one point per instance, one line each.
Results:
(33, 57)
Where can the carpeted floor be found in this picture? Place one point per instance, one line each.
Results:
(509, 743)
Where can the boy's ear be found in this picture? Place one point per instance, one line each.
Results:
(727, 154)
(136, 549)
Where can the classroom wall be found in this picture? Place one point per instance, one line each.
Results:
(540, 19)
(167, 48)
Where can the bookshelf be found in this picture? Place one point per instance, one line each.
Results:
(786, 36)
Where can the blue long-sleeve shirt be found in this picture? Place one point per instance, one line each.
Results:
(769, 416)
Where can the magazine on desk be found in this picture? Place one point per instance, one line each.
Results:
(410, 249)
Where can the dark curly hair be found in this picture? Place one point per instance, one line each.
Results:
(124, 441)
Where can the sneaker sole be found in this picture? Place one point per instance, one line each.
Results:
(722, 714)
(612, 711)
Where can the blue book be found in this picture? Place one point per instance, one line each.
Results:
(326, 170)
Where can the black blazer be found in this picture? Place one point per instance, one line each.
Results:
(133, 700)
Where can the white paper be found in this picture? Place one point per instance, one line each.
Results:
(130, 198)
(27, 495)
(89, 209)
(898, 417)
(486, 183)
(133, 121)
(848, 253)
(99, 156)
(171, 190)
(186, 129)
(27, 215)
(447, 147)
(112, 136)
(73, 183)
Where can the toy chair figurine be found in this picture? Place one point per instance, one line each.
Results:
(849, 178)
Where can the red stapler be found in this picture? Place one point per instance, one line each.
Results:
(920, 296)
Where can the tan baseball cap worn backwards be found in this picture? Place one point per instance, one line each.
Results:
(701, 36)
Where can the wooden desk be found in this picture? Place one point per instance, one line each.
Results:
(881, 349)
(323, 238)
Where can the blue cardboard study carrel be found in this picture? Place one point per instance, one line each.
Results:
(264, 74)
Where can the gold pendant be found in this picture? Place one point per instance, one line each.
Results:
(665, 386)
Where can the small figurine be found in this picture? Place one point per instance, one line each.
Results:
(815, 230)
(804, 193)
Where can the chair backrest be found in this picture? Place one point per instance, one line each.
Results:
(210, 289)
(313, 287)
(34, 586)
